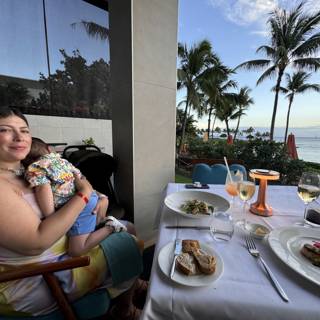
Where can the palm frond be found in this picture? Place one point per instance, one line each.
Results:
(312, 64)
(309, 87)
(281, 89)
(269, 51)
(93, 29)
(269, 73)
(309, 47)
(254, 64)
(181, 74)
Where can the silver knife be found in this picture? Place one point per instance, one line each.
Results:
(177, 251)
(189, 227)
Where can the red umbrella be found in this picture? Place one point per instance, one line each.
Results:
(229, 139)
(291, 145)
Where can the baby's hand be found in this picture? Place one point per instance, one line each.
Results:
(115, 224)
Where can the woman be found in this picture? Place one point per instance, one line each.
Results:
(26, 238)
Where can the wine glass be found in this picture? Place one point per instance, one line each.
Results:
(231, 184)
(247, 189)
(308, 190)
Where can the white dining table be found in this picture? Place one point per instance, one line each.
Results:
(244, 290)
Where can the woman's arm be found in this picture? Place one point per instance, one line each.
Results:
(44, 197)
(21, 229)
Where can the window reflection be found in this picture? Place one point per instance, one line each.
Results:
(79, 81)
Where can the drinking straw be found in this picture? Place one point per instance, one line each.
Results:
(229, 173)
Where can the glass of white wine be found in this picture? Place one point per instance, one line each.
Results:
(247, 189)
(308, 190)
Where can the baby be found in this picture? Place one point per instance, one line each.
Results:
(52, 177)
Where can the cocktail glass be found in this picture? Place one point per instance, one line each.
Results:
(232, 185)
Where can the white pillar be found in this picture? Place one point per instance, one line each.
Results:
(143, 50)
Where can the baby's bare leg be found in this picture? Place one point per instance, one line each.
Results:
(81, 244)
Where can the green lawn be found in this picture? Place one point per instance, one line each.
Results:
(182, 179)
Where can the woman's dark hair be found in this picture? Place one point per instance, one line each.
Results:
(6, 112)
(38, 149)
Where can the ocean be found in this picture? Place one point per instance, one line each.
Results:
(308, 149)
(307, 142)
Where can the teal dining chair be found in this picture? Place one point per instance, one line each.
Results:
(124, 258)
(215, 174)
(239, 167)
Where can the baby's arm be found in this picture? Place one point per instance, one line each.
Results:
(45, 199)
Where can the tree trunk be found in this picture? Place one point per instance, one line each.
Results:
(237, 128)
(288, 116)
(183, 127)
(214, 121)
(227, 125)
(209, 121)
(275, 105)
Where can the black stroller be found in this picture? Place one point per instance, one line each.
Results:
(98, 168)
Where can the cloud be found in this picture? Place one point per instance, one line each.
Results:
(262, 33)
(245, 12)
(313, 6)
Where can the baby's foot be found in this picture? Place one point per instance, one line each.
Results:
(115, 224)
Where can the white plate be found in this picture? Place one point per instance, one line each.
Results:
(265, 172)
(174, 201)
(287, 242)
(165, 259)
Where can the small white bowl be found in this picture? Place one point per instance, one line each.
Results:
(258, 231)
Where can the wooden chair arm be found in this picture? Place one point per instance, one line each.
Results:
(43, 268)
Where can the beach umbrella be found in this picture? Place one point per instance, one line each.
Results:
(291, 146)
(229, 139)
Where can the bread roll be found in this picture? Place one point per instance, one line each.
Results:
(186, 264)
(206, 262)
(189, 245)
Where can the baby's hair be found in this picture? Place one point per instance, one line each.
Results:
(38, 149)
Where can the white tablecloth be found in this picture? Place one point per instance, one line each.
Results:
(244, 290)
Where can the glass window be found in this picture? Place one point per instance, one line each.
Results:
(64, 71)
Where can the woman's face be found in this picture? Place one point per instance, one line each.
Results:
(15, 139)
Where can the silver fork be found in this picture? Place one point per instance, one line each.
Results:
(255, 253)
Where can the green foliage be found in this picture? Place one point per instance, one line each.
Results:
(88, 141)
(255, 153)
(79, 89)
(179, 178)
(213, 148)
(266, 154)
(12, 93)
(312, 167)
(190, 128)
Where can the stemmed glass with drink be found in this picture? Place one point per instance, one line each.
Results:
(308, 191)
(231, 185)
(247, 189)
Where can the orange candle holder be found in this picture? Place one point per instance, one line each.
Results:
(260, 207)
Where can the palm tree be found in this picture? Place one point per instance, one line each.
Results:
(296, 84)
(193, 63)
(226, 109)
(243, 101)
(293, 42)
(214, 84)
